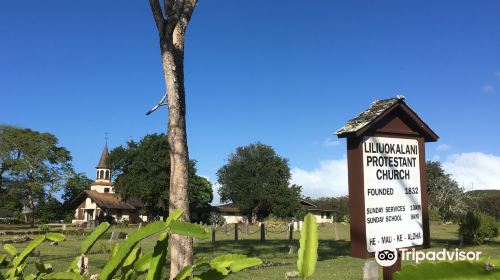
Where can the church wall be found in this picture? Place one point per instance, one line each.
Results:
(100, 188)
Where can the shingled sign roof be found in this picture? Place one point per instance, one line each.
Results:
(377, 111)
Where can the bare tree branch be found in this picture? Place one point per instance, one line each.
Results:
(179, 6)
(158, 16)
(169, 8)
(189, 8)
(161, 103)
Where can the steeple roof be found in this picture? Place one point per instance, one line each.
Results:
(104, 158)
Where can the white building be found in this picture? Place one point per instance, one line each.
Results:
(231, 212)
(101, 200)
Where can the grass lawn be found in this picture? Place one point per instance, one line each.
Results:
(334, 261)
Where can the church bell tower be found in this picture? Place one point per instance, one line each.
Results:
(103, 183)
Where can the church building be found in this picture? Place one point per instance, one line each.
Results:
(101, 200)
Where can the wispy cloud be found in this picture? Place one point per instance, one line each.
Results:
(497, 74)
(474, 169)
(469, 169)
(488, 89)
(329, 179)
(329, 142)
(443, 148)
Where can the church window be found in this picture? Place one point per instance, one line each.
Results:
(107, 174)
(106, 190)
(101, 174)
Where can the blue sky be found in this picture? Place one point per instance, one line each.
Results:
(286, 73)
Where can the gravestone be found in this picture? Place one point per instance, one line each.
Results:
(114, 236)
(370, 271)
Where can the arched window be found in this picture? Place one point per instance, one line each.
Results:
(97, 174)
(107, 174)
(101, 173)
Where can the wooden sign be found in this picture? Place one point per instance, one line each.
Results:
(386, 174)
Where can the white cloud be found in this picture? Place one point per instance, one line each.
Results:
(488, 88)
(436, 158)
(497, 74)
(329, 179)
(482, 171)
(215, 189)
(329, 142)
(442, 147)
(469, 169)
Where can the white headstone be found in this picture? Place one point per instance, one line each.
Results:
(114, 236)
(370, 271)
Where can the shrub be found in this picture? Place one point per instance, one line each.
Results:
(107, 218)
(476, 228)
(126, 222)
(217, 219)
(346, 219)
(44, 228)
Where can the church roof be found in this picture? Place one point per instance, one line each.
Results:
(108, 200)
(103, 161)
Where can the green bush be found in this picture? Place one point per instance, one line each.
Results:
(44, 228)
(126, 222)
(476, 228)
(122, 235)
(346, 219)
(217, 219)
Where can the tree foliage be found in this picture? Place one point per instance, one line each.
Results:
(74, 186)
(32, 165)
(445, 196)
(476, 228)
(339, 205)
(486, 201)
(142, 169)
(257, 180)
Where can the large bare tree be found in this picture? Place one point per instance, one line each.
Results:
(171, 20)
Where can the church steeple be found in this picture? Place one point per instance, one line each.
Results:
(103, 171)
(104, 158)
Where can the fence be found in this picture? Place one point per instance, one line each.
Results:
(245, 231)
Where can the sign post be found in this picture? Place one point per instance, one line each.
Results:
(386, 175)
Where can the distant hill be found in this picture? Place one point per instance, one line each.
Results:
(495, 193)
(487, 201)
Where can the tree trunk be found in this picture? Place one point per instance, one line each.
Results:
(32, 206)
(173, 67)
(171, 22)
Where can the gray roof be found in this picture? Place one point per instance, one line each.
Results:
(370, 114)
